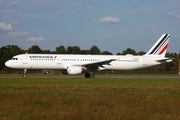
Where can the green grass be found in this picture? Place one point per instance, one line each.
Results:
(90, 99)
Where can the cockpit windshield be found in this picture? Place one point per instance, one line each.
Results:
(14, 59)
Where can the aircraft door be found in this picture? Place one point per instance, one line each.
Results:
(144, 61)
(59, 61)
(25, 59)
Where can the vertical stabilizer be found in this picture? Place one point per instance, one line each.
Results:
(160, 47)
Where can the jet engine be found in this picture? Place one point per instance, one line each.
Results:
(72, 70)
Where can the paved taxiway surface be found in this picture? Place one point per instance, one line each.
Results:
(97, 76)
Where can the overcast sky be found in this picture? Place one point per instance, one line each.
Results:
(112, 25)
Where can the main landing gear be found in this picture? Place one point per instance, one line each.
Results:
(89, 75)
(24, 73)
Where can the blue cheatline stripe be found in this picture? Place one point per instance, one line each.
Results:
(163, 44)
(158, 44)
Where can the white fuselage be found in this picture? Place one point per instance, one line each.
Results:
(56, 61)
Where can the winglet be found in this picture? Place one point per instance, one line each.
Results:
(160, 47)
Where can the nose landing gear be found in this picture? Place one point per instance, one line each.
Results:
(24, 73)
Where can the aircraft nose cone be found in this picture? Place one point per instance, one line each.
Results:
(7, 64)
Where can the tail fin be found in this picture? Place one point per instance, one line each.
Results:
(160, 47)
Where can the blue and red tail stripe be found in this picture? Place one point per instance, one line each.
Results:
(163, 50)
(161, 46)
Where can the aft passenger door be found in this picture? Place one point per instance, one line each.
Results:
(144, 61)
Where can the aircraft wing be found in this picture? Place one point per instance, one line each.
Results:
(96, 65)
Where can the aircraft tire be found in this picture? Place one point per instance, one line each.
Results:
(87, 75)
(92, 75)
(24, 76)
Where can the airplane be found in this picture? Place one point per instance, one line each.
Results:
(77, 64)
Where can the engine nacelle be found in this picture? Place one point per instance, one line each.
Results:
(72, 70)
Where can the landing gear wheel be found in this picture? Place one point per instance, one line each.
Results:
(92, 75)
(89, 75)
(24, 74)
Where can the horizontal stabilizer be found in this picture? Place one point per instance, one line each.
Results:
(164, 60)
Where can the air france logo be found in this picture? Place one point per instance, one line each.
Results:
(47, 57)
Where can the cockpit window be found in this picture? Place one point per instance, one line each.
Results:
(14, 59)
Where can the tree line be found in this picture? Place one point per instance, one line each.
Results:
(7, 52)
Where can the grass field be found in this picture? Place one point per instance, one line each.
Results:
(90, 99)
